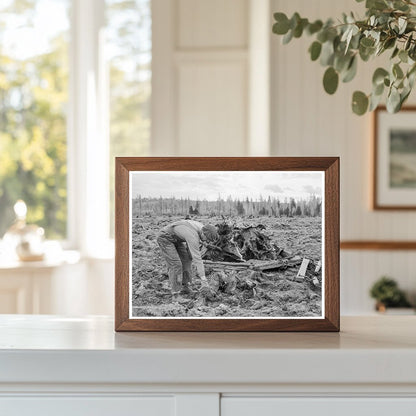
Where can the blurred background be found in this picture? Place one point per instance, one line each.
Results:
(83, 81)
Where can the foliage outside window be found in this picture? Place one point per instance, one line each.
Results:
(33, 101)
(34, 86)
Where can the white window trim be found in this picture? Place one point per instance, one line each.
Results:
(88, 139)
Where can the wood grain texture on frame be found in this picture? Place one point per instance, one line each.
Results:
(375, 204)
(330, 165)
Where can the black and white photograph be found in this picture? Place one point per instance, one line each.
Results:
(226, 244)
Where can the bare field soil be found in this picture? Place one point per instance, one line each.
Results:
(275, 293)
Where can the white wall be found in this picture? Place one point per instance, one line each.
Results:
(202, 83)
(308, 122)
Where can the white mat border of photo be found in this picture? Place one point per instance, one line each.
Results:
(131, 173)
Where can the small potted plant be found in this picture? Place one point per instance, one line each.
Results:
(387, 294)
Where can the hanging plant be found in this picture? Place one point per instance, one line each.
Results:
(388, 27)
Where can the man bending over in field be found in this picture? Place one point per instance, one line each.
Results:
(180, 243)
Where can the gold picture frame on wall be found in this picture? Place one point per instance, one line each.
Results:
(394, 159)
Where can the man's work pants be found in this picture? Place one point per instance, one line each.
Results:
(178, 260)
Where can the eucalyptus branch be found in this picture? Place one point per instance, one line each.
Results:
(389, 25)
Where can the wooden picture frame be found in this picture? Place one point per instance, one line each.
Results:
(394, 185)
(135, 167)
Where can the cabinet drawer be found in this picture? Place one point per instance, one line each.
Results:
(87, 406)
(273, 406)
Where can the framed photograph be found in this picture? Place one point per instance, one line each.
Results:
(394, 178)
(227, 244)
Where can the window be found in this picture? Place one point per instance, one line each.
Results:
(75, 87)
(33, 102)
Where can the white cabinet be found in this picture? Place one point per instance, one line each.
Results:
(80, 367)
(203, 405)
(272, 406)
(88, 406)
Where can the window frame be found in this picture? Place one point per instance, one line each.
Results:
(87, 133)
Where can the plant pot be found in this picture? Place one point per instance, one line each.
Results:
(382, 309)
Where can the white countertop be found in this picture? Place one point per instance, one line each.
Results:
(52, 349)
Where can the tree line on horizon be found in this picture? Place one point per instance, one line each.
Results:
(273, 207)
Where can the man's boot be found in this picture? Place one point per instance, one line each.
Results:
(186, 290)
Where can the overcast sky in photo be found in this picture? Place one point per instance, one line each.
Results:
(239, 185)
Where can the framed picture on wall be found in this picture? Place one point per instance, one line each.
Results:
(394, 179)
(227, 244)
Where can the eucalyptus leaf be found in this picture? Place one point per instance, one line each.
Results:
(402, 22)
(346, 34)
(323, 35)
(403, 56)
(400, 5)
(315, 50)
(294, 20)
(281, 27)
(378, 89)
(355, 41)
(337, 43)
(331, 33)
(352, 31)
(397, 71)
(366, 53)
(399, 85)
(394, 25)
(350, 18)
(395, 52)
(367, 42)
(376, 4)
(341, 62)
(389, 43)
(404, 96)
(383, 18)
(298, 30)
(314, 27)
(376, 36)
(351, 70)
(379, 50)
(288, 37)
(393, 101)
(327, 54)
(374, 102)
(411, 78)
(330, 80)
(359, 103)
(379, 75)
